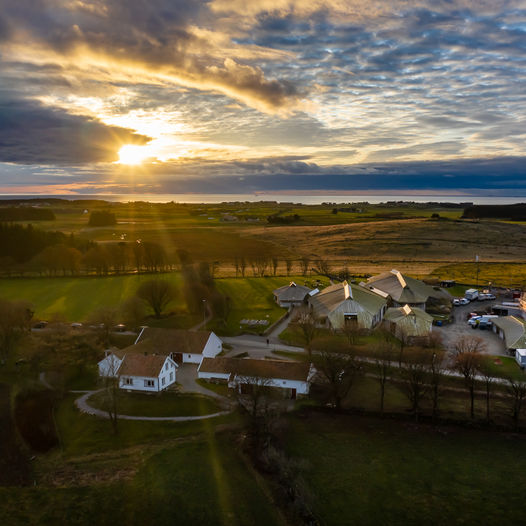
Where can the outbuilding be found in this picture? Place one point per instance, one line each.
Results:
(241, 373)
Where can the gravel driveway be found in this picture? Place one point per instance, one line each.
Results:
(450, 333)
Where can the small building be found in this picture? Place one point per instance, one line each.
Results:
(240, 373)
(520, 357)
(410, 322)
(512, 330)
(291, 294)
(183, 346)
(147, 373)
(344, 304)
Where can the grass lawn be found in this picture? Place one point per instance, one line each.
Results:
(162, 404)
(368, 471)
(202, 482)
(251, 298)
(504, 367)
(221, 389)
(75, 299)
(82, 434)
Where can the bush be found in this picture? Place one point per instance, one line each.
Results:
(102, 218)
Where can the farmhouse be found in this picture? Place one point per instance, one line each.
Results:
(403, 290)
(137, 371)
(183, 346)
(407, 321)
(151, 372)
(240, 373)
(513, 331)
(291, 294)
(344, 304)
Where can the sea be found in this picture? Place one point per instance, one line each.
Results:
(307, 198)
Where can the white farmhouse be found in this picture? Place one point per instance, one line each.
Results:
(137, 371)
(183, 346)
(241, 373)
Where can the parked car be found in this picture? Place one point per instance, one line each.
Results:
(474, 321)
(485, 325)
(40, 325)
(464, 301)
(487, 296)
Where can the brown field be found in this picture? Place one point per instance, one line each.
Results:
(418, 246)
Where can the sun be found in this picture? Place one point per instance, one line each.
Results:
(133, 154)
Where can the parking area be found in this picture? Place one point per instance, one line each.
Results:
(451, 332)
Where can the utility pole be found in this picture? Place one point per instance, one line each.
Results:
(477, 262)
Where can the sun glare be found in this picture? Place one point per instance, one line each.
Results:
(133, 154)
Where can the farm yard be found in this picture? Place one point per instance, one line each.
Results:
(436, 449)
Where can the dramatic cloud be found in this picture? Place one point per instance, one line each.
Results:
(279, 92)
(33, 134)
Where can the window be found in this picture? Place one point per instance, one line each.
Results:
(163, 380)
(171, 377)
(149, 383)
(189, 356)
(127, 381)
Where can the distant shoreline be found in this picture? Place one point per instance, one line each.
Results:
(305, 199)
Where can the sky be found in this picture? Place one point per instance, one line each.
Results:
(230, 96)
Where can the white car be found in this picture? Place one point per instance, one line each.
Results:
(460, 301)
(474, 320)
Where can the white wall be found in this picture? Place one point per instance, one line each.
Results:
(213, 376)
(139, 381)
(213, 346)
(110, 365)
(301, 387)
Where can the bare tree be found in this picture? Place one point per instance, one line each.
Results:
(275, 262)
(15, 319)
(242, 267)
(104, 319)
(351, 330)
(304, 264)
(337, 372)
(255, 394)
(289, 264)
(384, 354)
(404, 339)
(157, 293)
(437, 374)
(467, 357)
(323, 267)
(484, 370)
(517, 390)
(414, 376)
(111, 390)
(307, 325)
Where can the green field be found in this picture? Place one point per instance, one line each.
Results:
(369, 472)
(74, 299)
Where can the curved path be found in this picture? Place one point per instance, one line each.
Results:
(84, 407)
